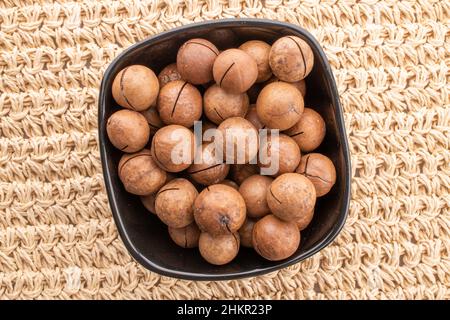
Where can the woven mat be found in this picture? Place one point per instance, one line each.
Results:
(391, 62)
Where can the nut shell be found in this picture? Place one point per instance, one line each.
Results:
(208, 171)
(168, 74)
(139, 174)
(179, 103)
(279, 105)
(252, 116)
(240, 172)
(300, 85)
(220, 104)
(195, 60)
(291, 59)
(235, 71)
(136, 88)
(291, 196)
(219, 250)
(281, 150)
(174, 203)
(259, 51)
(153, 120)
(275, 239)
(254, 191)
(128, 130)
(186, 237)
(320, 170)
(245, 233)
(309, 131)
(219, 209)
(149, 202)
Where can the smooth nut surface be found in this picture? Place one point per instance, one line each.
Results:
(168, 74)
(208, 171)
(153, 120)
(291, 196)
(219, 209)
(305, 220)
(259, 51)
(246, 233)
(180, 103)
(291, 59)
(252, 116)
(219, 250)
(239, 139)
(186, 237)
(230, 183)
(279, 105)
(139, 174)
(149, 202)
(128, 130)
(254, 191)
(173, 148)
(320, 170)
(136, 87)
(220, 105)
(275, 239)
(174, 203)
(235, 71)
(309, 131)
(240, 172)
(278, 151)
(195, 60)
(300, 85)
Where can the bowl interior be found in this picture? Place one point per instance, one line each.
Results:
(144, 235)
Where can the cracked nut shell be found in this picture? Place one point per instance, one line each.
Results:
(139, 174)
(195, 60)
(179, 103)
(136, 87)
(168, 74)
(279, 105)
(309, 131)
(186, 237)
(291, 196)
(220, 105)
(208, 171)
(291, 59)
(254, 191)
(173, 140)
(219, 250)
(174, 203)
(259, 51)
(235, 71)
(219, 209)
(275, 239)
(128, 130)
(320, 170)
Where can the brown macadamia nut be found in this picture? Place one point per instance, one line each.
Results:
(275, 239)
(219, 104)
(195, 60)
(291, 59)
(239, 139)
(208, 171)
(304, 221)
(139, 173)
(291, 196)
(300, 85)
(254, 191)
(309, 131)
(174, 203)
(173, 148)
(219, 209)
(320, 170)
(128, 130)
(279, 105)
(230, 183)
(179, 103)
(245, 233)
(252, 116)
(186, 237)
(168, 74)
(149, 202)
(259, 51)
(220, 249)
(235, 71)
(279, 149)
(153, 120)
(136, 87)
(240, 172)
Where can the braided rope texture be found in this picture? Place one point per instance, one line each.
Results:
(391, 63)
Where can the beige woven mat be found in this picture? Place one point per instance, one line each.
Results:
(391, 62)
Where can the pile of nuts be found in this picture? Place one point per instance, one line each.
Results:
(219, 206)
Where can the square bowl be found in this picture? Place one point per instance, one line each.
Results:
(145, 237)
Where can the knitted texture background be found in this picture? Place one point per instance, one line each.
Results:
(391, 62)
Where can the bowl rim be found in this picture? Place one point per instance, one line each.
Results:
(332, 234)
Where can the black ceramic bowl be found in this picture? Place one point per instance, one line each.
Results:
(145, 237)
